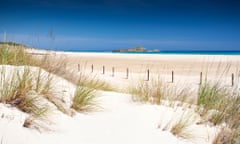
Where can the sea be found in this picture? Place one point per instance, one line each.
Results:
(237, 53)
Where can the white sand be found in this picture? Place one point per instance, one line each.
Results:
(120, 121)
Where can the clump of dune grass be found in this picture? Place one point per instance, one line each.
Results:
(181, 128)
(180, 125)
(232, 118)
(43, 83)
(15, 56)
(15, 87)
(211, 95)
(152, 92)
(84, 99)
(184, 95)
(157, 91)
(222, 107)
(44, 86)
(58, 66)
(213, 100)
(15, 90)
(94, 83)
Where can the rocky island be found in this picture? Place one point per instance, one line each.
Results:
(136, 49)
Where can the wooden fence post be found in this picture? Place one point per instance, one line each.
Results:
(113, 70)
(148, 75)
(200, 78)
(232, 79)
(103, 69)
(127, 71)
(172, 76)
(92, 68)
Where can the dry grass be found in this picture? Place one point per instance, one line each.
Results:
(156, 91)
(216, 103)
(225, 136)
(153, 92)
(180, 124)
(211, 95)
(15, 90)
(84, 99)
(42, 83)
(27, 90)
(181, 127)
(213, 99)
(53, 64)
(94, 83)
(223, 107)
(15, 56)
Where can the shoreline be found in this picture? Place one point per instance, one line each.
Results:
(184, 53)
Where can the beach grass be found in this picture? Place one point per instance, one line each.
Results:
(42, 84)
(158, 91)
(216, 103)
(15, 56)
(180, 123)
(181, 128)
(225, 136)
(93, 82)
(84, 99)
(213, 98)
(16, 90)
(211, 95)
(58, 66)
(222, 107)
(154, 91)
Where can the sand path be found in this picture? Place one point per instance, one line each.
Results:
(123, 121)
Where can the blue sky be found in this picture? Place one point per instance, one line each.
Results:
(111, 24)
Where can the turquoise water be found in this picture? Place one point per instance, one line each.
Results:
(195, 52)
(237, 53)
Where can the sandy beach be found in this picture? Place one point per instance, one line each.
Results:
(186, 68)
(119, 118)
(137, 63)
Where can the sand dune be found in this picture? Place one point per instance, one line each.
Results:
(120, 120)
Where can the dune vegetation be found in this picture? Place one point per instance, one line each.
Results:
(216, 103)
(32, 81)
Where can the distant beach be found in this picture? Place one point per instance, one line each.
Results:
(186, 67)
(162, 52)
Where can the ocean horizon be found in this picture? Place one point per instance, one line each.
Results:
(184, 52)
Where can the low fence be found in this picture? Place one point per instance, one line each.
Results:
(148, 74)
